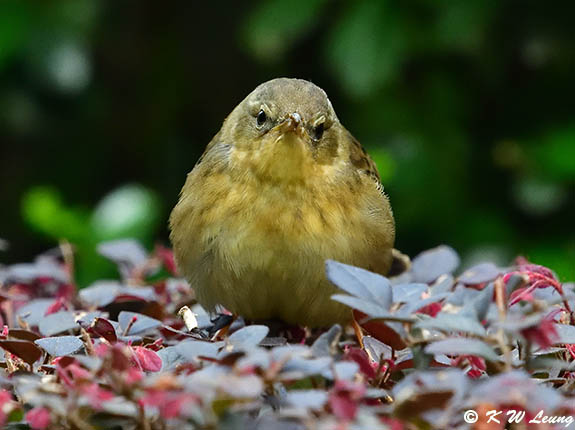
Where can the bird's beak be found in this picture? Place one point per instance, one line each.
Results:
(293, 124)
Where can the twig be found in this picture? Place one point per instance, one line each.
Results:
(500, 301)
(130, 324)
(89, 345)
(68, 256)
(10, 366)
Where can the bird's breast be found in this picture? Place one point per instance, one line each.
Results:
(267, 223)
(256, 246)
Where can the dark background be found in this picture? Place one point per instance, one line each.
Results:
(467, 107)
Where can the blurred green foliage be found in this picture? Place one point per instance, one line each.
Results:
(466, 107)
(129, 211)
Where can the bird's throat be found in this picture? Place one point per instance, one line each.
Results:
(285, 159)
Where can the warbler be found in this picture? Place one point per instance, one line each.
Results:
(281, 188)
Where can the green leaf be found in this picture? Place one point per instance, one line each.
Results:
(555, 153)
(539, 196)
(366, 49)
(558, 256)
(14, 25)
(129, 211)
(275, 25)
(386, 165)
(44, 210)
(462, 25)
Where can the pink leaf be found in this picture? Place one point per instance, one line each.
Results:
(166, 255)
(544, 333)
(38, 418)
(148, 359)
(173, 408)
(169, 403)
(5, 398)
(345, 397)
(342, 406)
(367, 367)
(58, 305)
(96, 395)
(133, 376)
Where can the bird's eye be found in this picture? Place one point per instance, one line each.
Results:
(318, 131)
(261, 118)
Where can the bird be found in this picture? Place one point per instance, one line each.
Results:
(280, 189)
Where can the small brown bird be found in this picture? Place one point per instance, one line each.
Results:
(282, 187)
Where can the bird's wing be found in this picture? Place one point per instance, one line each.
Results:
(215, 140)
(361, 160)
(376, 204)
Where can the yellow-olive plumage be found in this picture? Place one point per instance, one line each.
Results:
(282, 187)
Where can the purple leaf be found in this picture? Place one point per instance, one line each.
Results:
(102, 293)
(307, 399)
(431, 264)
(453, 323)
(57, 323)
(128, 254)
(142, 323)
(360, 283)
(462, 346)
(60, 345)
(246, 338)
(480, 274)
(34, 311)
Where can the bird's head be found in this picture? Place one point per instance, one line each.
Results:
(284, 128)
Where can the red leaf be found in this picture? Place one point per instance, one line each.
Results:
(128, 298)
(432, 309)
(169, 403)
(58, 305)
(366, 366)
(23, 334)
(477, 362)
(521, 294)
(133, 376)
(156, 345)
(342, 406)
(104, 328)
(392, 423)
(64, 361)
(38, 418)
(120, 355)
(474, 373)
(345, 397)
(166, 255)
(172, 409)
(72, 374)
(96, 395)
(543, 334)
(148, 359)
(23, 349)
